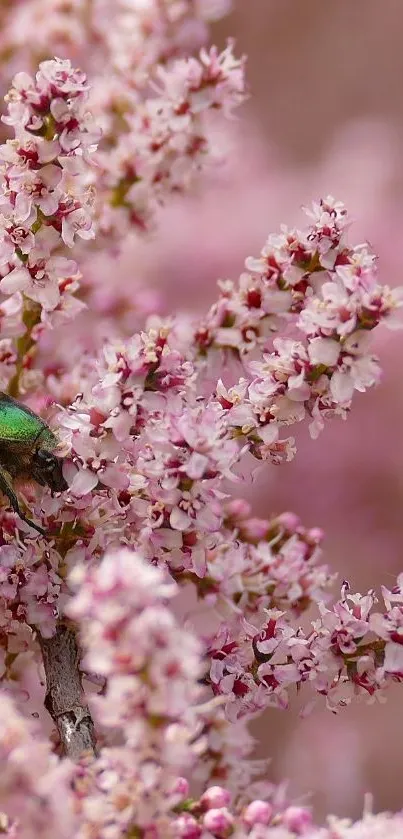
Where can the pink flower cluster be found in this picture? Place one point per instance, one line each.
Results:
(132, 640)
(212, 816)
(153, 144)
(328, 293)
(29, 587)
(166, 137)
(151, 666)
(159, 108)
(261, 564)
(350, 652)
(44, 201)
(128, 38)
(151, 457)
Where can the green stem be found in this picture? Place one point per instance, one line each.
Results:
(31, 317)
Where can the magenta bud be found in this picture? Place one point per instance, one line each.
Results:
(254, 530)
(289, 521)
(297, 819)
(237, 509)
(258, 812)
(315, 535)
(181, 788)
(218, 822)
(215, 797)
(186, 827)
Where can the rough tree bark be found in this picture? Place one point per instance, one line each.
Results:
(64, 692)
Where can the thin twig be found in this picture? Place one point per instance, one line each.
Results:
(64, 693)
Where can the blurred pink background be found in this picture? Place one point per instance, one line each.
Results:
(325, 116)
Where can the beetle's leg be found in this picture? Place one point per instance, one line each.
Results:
(8, 491)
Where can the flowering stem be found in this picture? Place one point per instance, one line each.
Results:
(31, 317)
(64, 692)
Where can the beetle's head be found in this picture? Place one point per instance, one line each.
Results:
(47, 467)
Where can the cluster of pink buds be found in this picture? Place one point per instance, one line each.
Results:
(258, 821)
(213, 815)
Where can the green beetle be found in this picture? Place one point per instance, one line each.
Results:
(27, 447)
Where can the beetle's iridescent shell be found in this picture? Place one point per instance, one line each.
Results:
(19, 424)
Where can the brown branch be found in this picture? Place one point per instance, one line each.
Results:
(64, 693)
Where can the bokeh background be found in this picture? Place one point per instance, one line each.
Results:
(325, 116)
